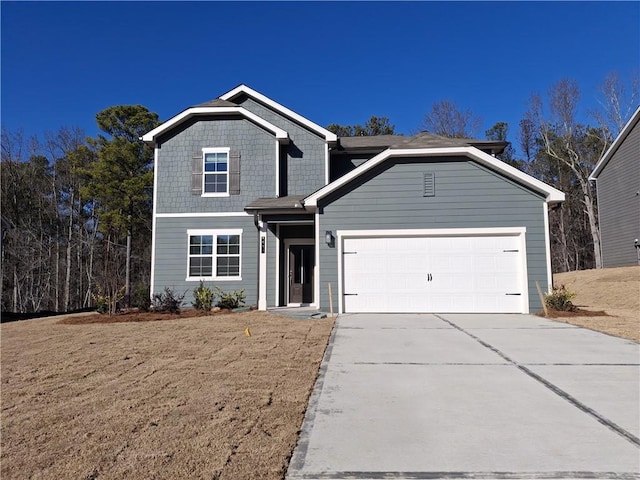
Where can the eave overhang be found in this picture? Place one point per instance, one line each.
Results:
(635, 118)
(551, 194)
(280, 205)
(152, 136)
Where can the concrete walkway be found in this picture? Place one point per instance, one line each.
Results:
(471, 397)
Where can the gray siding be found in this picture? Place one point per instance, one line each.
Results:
(171, 254)
(619, 203)
(340, 165)
(257, 165)
(466, 196)
(304, 163)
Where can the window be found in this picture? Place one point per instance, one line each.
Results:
(216, 171)
(214, 254)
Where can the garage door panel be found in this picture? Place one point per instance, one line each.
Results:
(433, 274)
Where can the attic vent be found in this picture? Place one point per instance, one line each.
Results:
(429, 185)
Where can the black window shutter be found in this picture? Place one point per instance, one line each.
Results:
(196, 173)
(234, 173)
(429, 185)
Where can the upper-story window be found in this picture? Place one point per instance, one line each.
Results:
(215, 172)
(215, 178)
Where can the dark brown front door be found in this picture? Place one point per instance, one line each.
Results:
(301, 263)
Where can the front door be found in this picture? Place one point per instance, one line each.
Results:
(301, 263)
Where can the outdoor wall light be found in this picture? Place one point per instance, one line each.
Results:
(328, 238)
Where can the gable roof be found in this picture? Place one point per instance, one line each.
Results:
(243, 89)
(213, 109)
(635, 118)
(551, 194)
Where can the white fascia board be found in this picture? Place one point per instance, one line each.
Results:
(281, 135)
(615, 145)
(329, 136)
(552, 195)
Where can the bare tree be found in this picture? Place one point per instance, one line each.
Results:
(577, 147)
(618, 102)
(446, 119)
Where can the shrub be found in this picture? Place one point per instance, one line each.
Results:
(141, 298)
(560, 299)
(107, 301)
(203, 297)
(230, 300)
(167, 301)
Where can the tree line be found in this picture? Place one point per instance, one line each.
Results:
(77, 211)
(76, 215)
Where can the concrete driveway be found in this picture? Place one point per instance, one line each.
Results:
(471, 397)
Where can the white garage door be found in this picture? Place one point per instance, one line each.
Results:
(471, 274)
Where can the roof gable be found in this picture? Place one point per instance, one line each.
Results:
(633, 121)
(217, 109)
(243, 89)
(551, 194)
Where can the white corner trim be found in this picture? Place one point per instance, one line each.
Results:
(201, 215)
(277, 193)
(150, 137)
(262, 281)
(552, 195)
(276, 300)
(524, 274)
(547, 247)
(240, 89)
(340, 276)
(153, 221)
(326, 164)
(615, 145)
(316, 267)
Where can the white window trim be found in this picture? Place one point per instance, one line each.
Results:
(215, 233)
(226, 150)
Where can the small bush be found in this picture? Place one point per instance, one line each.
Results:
(230, 300)
(560, 299)
(167, 301)
(203, 297)
(106, 302)
(141, 298)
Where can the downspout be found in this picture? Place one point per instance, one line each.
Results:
(256, 223)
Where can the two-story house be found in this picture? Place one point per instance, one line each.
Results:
(249, 194)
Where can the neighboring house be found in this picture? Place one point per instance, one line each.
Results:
(617, 177)
(249, 194)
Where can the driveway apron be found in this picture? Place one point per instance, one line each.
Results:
(460, 396)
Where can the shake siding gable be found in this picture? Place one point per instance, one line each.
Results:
(618, 186)
(255, 146)
(467, 196)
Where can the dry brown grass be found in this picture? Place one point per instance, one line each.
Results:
(615, 291)
(182, 398)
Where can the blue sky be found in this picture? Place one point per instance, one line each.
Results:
(338, 62)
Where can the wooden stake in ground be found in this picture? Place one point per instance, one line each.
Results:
(544, 304)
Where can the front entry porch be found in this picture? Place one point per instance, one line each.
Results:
(288, 253)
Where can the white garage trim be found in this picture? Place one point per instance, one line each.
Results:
(519, 232)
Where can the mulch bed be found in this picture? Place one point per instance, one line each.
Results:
(578, 312)
(136, 316)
